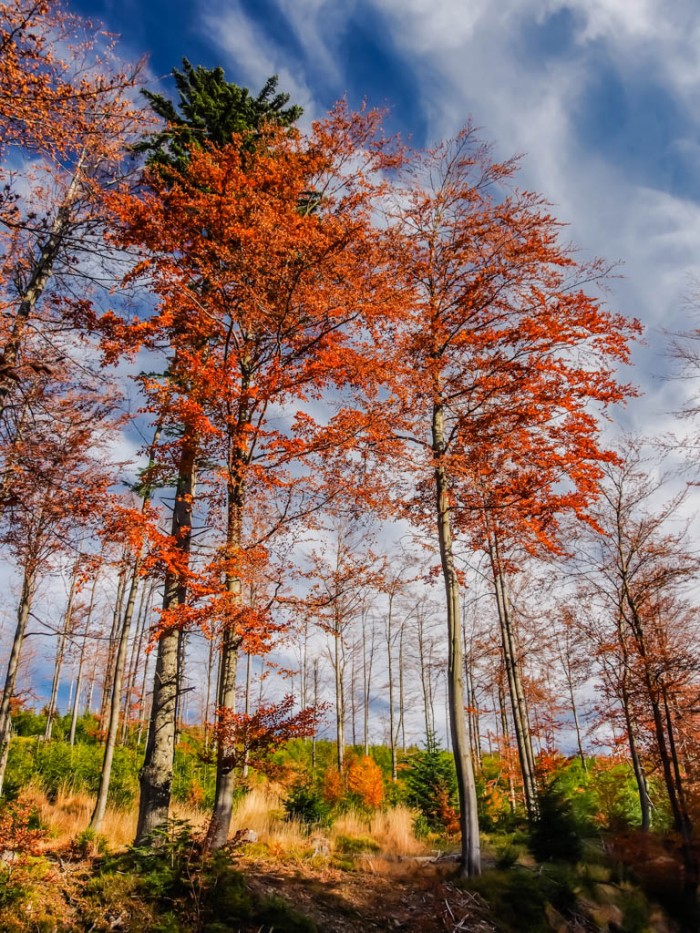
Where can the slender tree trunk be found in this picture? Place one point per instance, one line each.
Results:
(115, 704)
(78, 685)
(112, 648)
(639, 775)
(425, 683)
(156, 775)
(137, 652)
(248, 674)
(390, 669)
(511, 659)
(60, 654)
(469, 824)
(402, 698)
(42, 269)
(313, 737)
(367, 663)
(339, 695)
(207, 701)
(23, 610)
(220, 823)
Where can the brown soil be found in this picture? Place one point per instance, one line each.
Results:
(382, 895)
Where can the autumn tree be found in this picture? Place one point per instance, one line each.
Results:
(258, 322)
(60, 484)
(210, 109)
(643, 568)
(70, 117)
(492, 350)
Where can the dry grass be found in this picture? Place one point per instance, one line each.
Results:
(261, 810)
(71, 812)
(391, 829)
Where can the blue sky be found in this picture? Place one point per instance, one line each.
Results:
(600, 96)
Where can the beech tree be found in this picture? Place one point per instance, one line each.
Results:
(491, 349)
(258, 321)
(70, 116)
(643, 569)
(58, 486)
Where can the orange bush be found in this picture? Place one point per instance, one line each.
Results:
(365, 779)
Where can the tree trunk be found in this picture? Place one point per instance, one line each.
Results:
(339, 696)
(115, 704)
(469, 824)
(31, 293)
(60, 654)
(521, 723)
(390, 667)
(248, 674)
(367, 662)
(112, 648)
(220, 823)
(23, 610)
(76, 698)
(156, 776)
(639, 775)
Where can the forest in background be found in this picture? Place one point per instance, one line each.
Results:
(311, 496)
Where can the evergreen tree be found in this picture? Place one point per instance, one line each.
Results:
(210, 110)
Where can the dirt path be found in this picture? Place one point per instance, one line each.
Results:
(386, 896)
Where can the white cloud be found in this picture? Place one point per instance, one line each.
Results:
(252, 53)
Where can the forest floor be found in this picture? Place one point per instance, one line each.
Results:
(400, 896)
(353, 877)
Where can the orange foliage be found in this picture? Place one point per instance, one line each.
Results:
(254, 737)
(332, 790)
(15, 834)
(365, 780)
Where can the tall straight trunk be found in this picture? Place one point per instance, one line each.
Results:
(207, 699)
(112, 648)
(60, 654)
(339, 694)
(367, 662)
(23, 610)
(220, 823)
(639, 776)
(42, 270)
(425, 683)
(156, 776)
(78, 686)
(506, 746)
(469, 822)
(136, 652)
(313, 737)
(402, 698)
(390, 671)
(75, 711)
(353, 695)
(115, 703)
(246, 708)
(143, 705)
(180, 694)
(521, 724)
(472, 720)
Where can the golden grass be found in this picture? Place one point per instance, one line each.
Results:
(261, 810)
(70, 815)
(391, 829)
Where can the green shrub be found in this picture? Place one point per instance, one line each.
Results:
(356, 845)
(431, 787)
(306, 805)
(555, 834)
